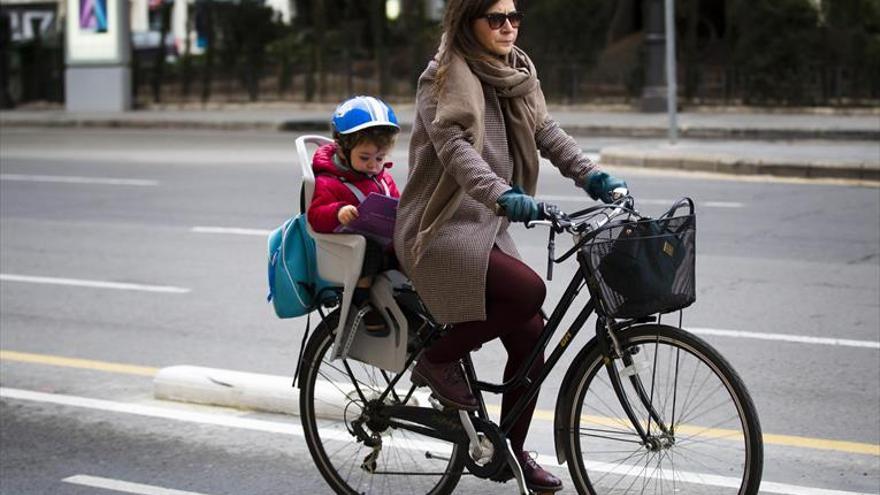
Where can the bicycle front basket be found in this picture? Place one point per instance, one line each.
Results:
(643, 267)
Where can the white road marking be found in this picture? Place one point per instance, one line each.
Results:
(229, 230)
(123, 486)
(800, 339)
(69, 179)
(96, 284)
(639, 201)
(721, 204)
(704, 479)
(296, 430)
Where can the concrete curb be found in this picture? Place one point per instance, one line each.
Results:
(253, 391)
(696, 162)
(227, 388)
(320, 125)
(735, 133)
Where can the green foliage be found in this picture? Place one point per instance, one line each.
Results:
(564, 38)
(574, 31)
(771, 51)
(795, 51)
(775, 43)
(852, 39)
(246, 30)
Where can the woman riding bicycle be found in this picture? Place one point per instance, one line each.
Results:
(480, 120)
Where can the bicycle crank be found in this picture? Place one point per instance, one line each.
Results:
(485, 445)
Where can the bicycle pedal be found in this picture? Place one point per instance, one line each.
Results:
(436, 404)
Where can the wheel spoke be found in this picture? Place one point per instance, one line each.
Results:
(694, 394)
(336, 396)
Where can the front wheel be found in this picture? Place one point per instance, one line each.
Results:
(703, 434)
(355, 452)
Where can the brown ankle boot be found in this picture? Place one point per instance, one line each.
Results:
(447, 381)
(537, 479)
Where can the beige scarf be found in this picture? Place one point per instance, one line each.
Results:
(462, 103)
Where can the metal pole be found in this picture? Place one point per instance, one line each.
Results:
(654, 91)
(671, 88)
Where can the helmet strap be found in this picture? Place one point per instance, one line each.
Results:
(345, 156)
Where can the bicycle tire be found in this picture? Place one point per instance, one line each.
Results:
(327, 410)
(715, 435)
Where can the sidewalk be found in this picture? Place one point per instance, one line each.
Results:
(807, 145)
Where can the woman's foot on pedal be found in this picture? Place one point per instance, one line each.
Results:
(447, 381)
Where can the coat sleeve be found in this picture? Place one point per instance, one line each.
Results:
(457, 154)
(324, 207)
(563, 152)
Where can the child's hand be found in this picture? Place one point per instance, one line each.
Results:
(346, 214)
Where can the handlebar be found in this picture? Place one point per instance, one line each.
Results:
(587, 223)
(580, 222)
(587, 219)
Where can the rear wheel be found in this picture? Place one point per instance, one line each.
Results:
(357, 454)
(708, 437)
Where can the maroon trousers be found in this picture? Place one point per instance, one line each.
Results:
(514, 295)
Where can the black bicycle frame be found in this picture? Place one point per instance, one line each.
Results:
(520, 379)
(575, 286)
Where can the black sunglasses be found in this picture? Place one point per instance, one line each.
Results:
(496, 19)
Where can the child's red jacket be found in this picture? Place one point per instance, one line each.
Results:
(331, 193)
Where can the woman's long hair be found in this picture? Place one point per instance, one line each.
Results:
(458, 35)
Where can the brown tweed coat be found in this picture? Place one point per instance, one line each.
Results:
(451, 275)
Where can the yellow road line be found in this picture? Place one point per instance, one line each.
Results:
(126, 369)
(822, 444)
(544, 415)
(769, 438)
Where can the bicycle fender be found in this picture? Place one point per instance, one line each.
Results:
(564, 399)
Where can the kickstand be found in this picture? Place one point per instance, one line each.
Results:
(517, 471)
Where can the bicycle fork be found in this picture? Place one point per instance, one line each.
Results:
(612, 350)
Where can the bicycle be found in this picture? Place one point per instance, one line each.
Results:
(644, 406)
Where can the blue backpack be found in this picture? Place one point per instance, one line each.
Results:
(295, 289)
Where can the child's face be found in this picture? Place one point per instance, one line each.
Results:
(368, 158)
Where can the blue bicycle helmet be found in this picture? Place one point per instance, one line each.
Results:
(361, 112)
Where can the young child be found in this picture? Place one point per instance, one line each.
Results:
(364, 131)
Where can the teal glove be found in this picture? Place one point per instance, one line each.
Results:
(601, 184)
(518, 206)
